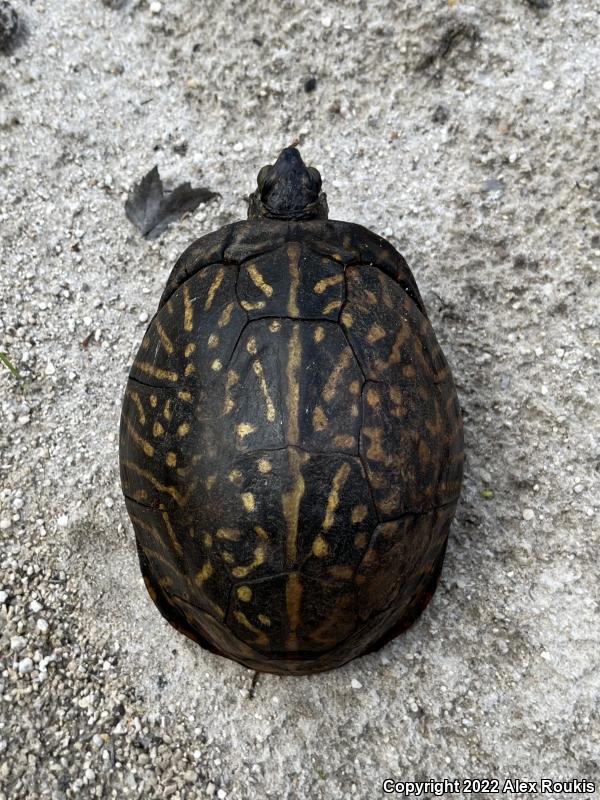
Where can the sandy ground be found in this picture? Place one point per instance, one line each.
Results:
(468, 135)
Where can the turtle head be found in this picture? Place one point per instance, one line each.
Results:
(288, 189)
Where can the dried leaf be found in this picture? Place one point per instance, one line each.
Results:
(152, 210)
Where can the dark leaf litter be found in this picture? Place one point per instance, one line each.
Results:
(152, 210)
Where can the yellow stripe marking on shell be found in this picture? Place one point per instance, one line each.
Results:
(213, 340)
(236, 476)
(232, 379)
(189, 349)
(157, 430)
(375, 333)
(176, 545)
(248, 306)
(231, 534)
(264, 465)
(375, 451)
(320, 547)
(245, 429)
(214, 288)
(207, 539)
(164, 339)
(340, 571)
(168, 411)
(293, 251)
(344, 440)
(275, 326)
(290, 502)
(293, 393)
(319, 420)
(347, 319)
(264, 620)
(395, 356)
(139, 440)
(153, 400)
(334, 376)
(188, 310)
(319, 334)
(373, 398)
(359, 513)
(189, 370)
(171, 459)
(332, 306)
(216, 365)
(140, 408)
(156, 372)
(322, 285)
(333, 500)
(261, 636)
(244, 593)
(260, 374)
(293, 599)
(144, 473)
(248, 501)
(259, 558)
(225, 317)
(204, 574)
(258, 280)
(355, 387)
(261, 533)
(251, 346)
(183, 429)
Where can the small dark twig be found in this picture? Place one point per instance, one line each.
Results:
(454, 33)
(252, 689)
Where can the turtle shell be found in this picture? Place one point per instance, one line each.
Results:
(291, 445)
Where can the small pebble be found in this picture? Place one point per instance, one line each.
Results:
(25, 666)
(528, 514)
(5, 524)
(221, 794)
(90, 775)
(50, 368)
(3, 598)
(326, 21)
(97, 741)
(35, 606)
(210, 789)
(42, 625)
(356, 684)
(238, 147)
(578, 488)
(109, 502)
(17, 643)
(155, 7)
(143, 317)
(63, 521)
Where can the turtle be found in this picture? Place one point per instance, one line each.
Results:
(291, 442)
